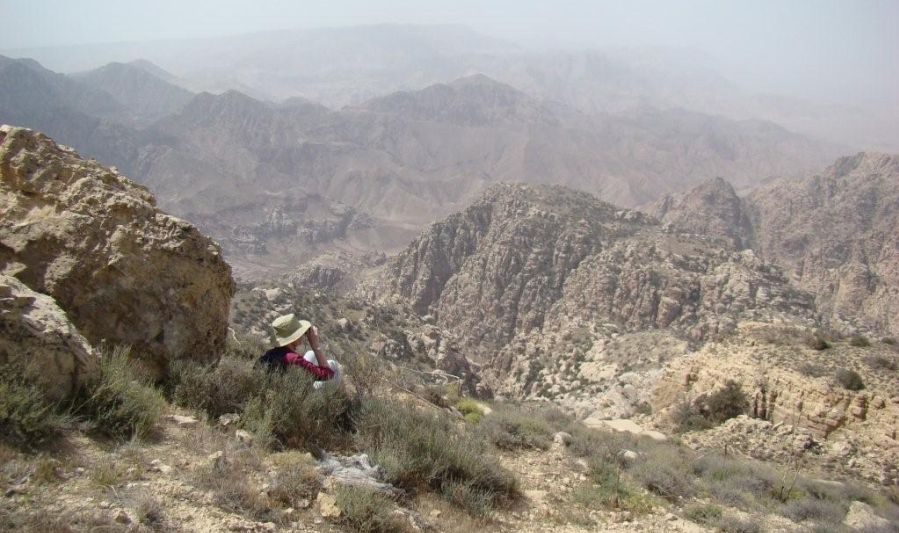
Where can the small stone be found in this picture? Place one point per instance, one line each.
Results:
(290, 511)
(122, 518)
(244, 436)
(156, 465)
(435, 513)
(628, 456)
(671, 517)
(183, 421)
(104, 505)
(562, 438)
(268, 526)
(228, 418)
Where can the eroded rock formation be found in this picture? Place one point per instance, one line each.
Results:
(123, 271)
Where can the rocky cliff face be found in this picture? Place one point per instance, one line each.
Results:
(796, 388)
(94, 241)
(834, 234)
(539, 283)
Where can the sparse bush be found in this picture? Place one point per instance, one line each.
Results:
(149, 510)
(290, 412)
(816, 342)
(812, 370)
(686, 416)
(229, 479)
(217, 389)
(511, 429)
(665, 471)
(730, 524)
(888, 340)
(859, 341)
(120, 403)
(703, 513)
(27, 419)
(367, 511)
(849, 379)
(421, 450)
(810, 509)
(881, 362)
(736, 482)
(295, 481)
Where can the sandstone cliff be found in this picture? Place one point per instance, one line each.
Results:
(123, 271)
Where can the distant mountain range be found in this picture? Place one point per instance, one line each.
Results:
(283, 182)
(349, 66)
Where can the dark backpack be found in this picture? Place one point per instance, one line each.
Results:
(273, 359)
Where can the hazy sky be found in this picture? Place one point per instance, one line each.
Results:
(841, 49)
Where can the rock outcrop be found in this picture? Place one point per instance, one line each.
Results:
(538, 283)
(833, 235)
(789, 384)
(37, 339)
(837, 235)
(123, 271)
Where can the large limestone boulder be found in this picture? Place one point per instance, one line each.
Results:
(38, 339)
(122, 270)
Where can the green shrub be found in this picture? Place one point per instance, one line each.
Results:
(120, 403)
(859, 341)
(712, 410)
(509, 428)
(726, 403)
(290, 412)
(367, 511)
(217, 389)
(422, 450)
(849, 379)
(745, 484)
(470, 409)
(26, 418)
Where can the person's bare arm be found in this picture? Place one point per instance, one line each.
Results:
(312, 335)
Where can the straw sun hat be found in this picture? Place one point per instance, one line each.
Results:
(289, 328)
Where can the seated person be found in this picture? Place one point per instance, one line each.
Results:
(289, 334)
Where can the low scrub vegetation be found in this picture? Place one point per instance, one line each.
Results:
(366, 511)
(859, 341)
(711, 410)
(424, 451)
(849, 379)
(121, 403)
(27, 419)
(516, 428)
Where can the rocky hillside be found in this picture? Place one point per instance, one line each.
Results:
(551, 289)
(833, 234)
(118, 268)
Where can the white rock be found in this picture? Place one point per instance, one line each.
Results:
(862, 517)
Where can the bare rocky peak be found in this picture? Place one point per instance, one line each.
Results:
(144, 89)
(120, 269)
(472, 100)
(711, 208)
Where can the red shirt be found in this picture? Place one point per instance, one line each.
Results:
(320, 372)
